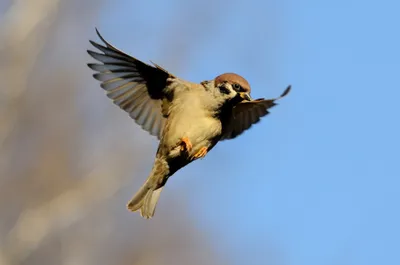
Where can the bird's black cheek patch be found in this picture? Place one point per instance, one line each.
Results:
(224, 90)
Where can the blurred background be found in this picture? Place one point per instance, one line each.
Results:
(316, 182)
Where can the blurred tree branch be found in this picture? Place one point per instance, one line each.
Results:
(58, 167)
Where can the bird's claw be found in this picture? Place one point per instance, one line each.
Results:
(186, 144)
(201, 153)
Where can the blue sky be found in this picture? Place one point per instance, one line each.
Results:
(316, 182)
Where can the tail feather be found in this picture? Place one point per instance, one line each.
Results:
(137, 201)
(145, 200)
(150, 203)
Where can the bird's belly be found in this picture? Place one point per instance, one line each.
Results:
(200, 133)
(200, 130)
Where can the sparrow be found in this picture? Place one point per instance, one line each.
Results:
(189, 119)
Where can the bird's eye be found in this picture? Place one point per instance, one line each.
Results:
(237, 87)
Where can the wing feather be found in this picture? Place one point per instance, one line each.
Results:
(134, 86)
(247, 113)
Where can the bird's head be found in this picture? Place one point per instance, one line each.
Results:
(231, 86)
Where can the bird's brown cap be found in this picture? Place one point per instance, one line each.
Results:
(233, 78)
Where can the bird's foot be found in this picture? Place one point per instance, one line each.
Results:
(201, 153)
(186, 144)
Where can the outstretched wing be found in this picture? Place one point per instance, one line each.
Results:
(134, 86)
(247, 113)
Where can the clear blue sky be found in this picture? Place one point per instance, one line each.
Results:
(317, 181)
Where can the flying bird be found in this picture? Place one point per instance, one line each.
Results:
(189, 119)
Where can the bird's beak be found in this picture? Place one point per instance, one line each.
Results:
(245, 96)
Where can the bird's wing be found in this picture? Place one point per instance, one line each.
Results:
(247, 113)
(134, 86)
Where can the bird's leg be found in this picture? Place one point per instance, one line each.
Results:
(201, 153)
(186, 144)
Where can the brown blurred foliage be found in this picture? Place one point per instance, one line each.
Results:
(63, 165)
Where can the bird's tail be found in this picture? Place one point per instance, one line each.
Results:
(147, 197)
